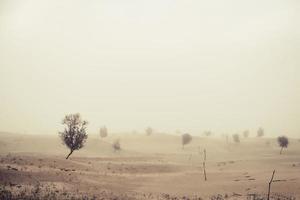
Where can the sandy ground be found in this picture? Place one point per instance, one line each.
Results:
(149, 167)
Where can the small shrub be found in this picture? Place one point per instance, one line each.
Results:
(103, 132)
(260, 132)
(236, 138)
(186, 139)
(149, 131)
(207, 133)
(246, 134)
(116, 145)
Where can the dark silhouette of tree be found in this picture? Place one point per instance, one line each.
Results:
(149, 131)
(207, 133)
(116, 145)
(260, 132)
(283, 142)
(74, 135)
(246, 134)
(236, 138)
(186, 139)
(103, 132)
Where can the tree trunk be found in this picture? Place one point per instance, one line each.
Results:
(281, 150)
(69, 154)
(204, 165)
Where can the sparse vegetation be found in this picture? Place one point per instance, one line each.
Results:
(186, 139)
(283, 142)
(103, 132)
(236, 138)
(260, 132)
(74, 135)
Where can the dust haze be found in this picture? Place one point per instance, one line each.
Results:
(159, 83)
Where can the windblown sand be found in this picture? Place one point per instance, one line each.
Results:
(150, 167)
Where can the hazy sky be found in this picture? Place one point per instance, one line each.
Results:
(187, 64)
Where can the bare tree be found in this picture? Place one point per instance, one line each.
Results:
(283, 142)
(116, 145)
(236, 138)
(246, 133)
(186, 139)
(149, 131)
(74, 136)
(270, 183)
(260, 132)
(103, 132)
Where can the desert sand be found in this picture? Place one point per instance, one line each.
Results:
(148, 167)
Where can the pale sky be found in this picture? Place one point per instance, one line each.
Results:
(191, 65)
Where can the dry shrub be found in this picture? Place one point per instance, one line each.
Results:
(260, 132)
(246, 134)
(236, 138)
(103, 132)
(116, 145)
(149, 131)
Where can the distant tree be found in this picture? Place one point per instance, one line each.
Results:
(103, 132)
(283, 142)
(186, 139)
(226, 138)
(246, 134)
(74, 136)
(149, 131)
(207, 133)
(236, 138)
(116, 145)
(260, 132)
